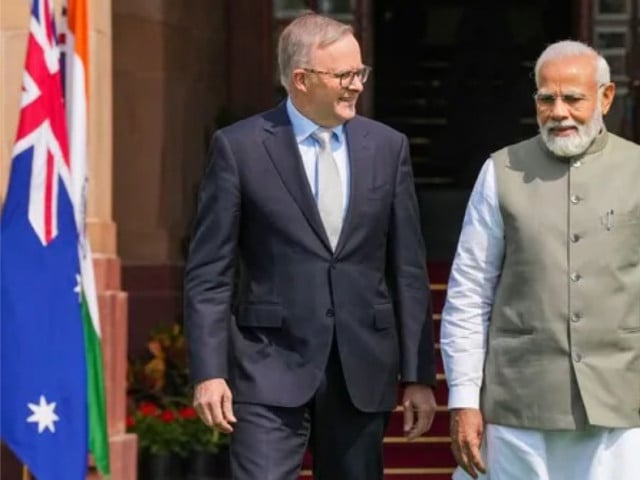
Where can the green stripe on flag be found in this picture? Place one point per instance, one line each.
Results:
(98, 436)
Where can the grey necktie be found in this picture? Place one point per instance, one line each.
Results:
(330, 203)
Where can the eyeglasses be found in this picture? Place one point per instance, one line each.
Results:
(548, 100)
(574, 101)
(347, 77)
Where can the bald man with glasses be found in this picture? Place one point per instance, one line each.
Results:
(541, 326)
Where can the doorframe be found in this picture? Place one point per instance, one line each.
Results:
(364, 28)
(583, 13)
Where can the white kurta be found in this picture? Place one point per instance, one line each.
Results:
(512, 453)
(593, 454)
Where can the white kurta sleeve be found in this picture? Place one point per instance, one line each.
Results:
(474, 275)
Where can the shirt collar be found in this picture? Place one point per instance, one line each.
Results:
(303, 127)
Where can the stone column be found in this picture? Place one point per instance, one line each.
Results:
(102, 232)
(14, 28)
(170, 67)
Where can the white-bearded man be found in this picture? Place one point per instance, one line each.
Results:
(541, 327)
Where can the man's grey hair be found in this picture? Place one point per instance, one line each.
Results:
(301, 36)
(572, 48)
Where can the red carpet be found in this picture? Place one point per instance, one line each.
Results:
(428, 458)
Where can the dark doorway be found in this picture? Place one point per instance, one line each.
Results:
(456, 77)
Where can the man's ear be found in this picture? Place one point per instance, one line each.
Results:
(608, 94)
(299, 80)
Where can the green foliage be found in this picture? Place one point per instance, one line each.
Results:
(200, 437)
(159, 431)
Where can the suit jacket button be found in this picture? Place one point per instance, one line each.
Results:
(330, 313)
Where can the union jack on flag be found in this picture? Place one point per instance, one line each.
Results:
(42, 123)
(43, 380)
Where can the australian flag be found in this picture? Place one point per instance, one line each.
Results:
(43, 390)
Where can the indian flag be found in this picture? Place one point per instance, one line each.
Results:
(76, 96)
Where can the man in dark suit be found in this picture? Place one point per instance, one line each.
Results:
(316, 208)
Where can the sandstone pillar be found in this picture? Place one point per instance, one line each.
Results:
(170, 68)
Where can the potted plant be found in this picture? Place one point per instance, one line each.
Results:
(207, 457)
(161, 440)
(160, 413)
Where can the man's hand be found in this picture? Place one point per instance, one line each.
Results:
(212, 400)
(467, 427)
(419, 406)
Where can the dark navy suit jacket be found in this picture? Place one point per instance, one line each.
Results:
(271, 334)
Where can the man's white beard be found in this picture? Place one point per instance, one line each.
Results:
(576, 143)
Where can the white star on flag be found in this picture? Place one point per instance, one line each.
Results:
(78, 287)
(43, 415)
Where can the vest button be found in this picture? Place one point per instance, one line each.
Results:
(575, 276)
(575, 199)
(577, 357)
(576, 317)
(330, 313)
(575, 238)
(577, 163)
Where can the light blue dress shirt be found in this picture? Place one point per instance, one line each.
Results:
(309, 149)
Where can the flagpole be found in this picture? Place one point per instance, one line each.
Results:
(25, 473)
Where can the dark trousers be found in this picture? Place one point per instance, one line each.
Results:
(268, 443)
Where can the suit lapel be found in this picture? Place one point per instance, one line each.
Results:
(283, 151)
(360, 154)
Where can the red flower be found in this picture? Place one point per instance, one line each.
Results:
(130, 422)
(188, 413)
(148, 409)
(167, 416)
